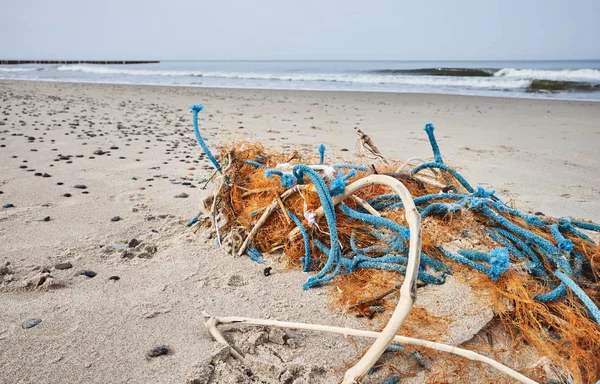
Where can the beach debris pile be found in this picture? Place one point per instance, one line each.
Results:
(383, 226)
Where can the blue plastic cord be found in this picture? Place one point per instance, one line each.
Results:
(306, 260)
(589, 226)
(434, 146)
(194, 220)
(254, 254)
(195, 109)
(548, 249)
(352, 166)
(335, 253)
(375, 220)
(498, 259)
(564, 244)
(445, 168)
(254, 163)
(321, 154)
(287, 179)
(591, 306)
(338, 184)
(440, 209)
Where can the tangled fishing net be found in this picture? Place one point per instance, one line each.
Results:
(349, 229)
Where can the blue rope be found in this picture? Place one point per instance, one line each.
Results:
(338, 184)
(544, 245)
(321, 154)
(591, 306)
(254, 163)
(194, 220)
(306, 241)
(434, 146)
(589, 226)
(553, 295)
(195, 109)
(498, 259)
(375, 220)
(445, 168)
(254, 254)
(352, 166)
(440, 209)
(564, 244)
(287, 179)
(335, 253)
(565, 225)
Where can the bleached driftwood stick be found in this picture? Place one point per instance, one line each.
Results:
(211, 325)
(263, 219)
(408, 290)
(355, 332)
(366, 206)
(365, 142)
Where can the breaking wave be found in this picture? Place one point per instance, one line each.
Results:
(547, 74)
(4, 69)
(359, 78)
(124, 71)
(457, 72)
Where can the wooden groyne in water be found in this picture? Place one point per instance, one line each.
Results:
(77, 62)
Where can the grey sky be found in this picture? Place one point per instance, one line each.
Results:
(308, 29)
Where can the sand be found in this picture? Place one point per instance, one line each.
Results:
(541, 153)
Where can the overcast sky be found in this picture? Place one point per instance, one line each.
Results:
(307, 29)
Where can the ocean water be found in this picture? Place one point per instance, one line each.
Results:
(573, 80)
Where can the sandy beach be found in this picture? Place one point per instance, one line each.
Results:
(85, 169)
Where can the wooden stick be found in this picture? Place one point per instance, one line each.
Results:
(260, 190)
(355, 332)
(366, 206)
(211, 324)
(376, 298)
(262, 220)
(282, 207)
(368, 144)
(408, 290)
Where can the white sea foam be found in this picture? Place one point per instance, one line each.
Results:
(444, 81)
(4, 69)
(547, 74)
(98, 69)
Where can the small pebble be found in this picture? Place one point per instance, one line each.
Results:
(67, 195)
(116, 218)
(181, 195)
(63, 266)
(47, 218)
(79, 186)
(30, 323)
(60, 183)
(133, 243)
(46, 175)
(9, 205)
(267, 271)
(114, 278)
(158, 351)
(87, 273)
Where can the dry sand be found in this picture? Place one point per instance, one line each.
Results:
(543, 154)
